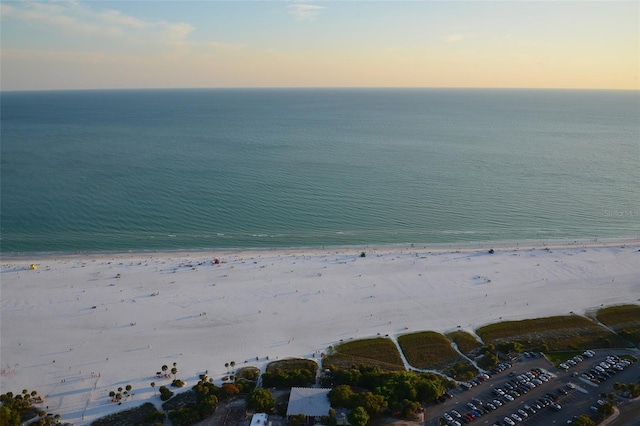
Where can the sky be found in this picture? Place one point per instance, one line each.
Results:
(194, 44)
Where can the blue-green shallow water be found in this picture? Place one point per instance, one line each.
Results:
(240, 168)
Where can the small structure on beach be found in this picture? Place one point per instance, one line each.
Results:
(33, 267)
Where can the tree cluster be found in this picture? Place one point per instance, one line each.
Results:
(462, 371)
(13, 408)
(246, 379)
(18, 408)
(174, 370)
(206, 401)
(632, 390)
(583, 420)
(117, 397)
(486, 356)
(400, 393)
(261, 400)
(281, 378)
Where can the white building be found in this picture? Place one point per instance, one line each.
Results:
(259, 419)
(312, 402)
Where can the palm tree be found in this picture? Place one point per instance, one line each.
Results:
(153, 385)
(174, 371)
(233, 364)
(226, 364)
(164, 370)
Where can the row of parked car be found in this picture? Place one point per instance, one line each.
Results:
(548, 400)
(486, 376)
(576, 360)
(511, 390)
(604, 370)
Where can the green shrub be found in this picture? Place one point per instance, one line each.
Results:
(261, 400)
(165, 393)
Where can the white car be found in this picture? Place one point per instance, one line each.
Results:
(508, 421)
(516, 417)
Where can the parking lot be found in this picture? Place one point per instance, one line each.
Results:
(521, 388)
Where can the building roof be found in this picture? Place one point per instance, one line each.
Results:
(259, 419)
(309, 401)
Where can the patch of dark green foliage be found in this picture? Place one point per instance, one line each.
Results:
(16, 409)
(290, 373)
(195, 405)
(378, 391)
(144, 415)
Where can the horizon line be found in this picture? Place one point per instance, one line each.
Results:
(318, 88)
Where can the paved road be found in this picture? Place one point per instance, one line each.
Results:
(629, 415)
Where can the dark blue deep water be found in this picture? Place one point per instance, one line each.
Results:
(238, 168)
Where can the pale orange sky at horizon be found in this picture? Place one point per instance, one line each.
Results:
(101, 45)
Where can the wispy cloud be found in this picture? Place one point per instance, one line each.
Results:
(303, 11)
(78, 19)
(452, 38)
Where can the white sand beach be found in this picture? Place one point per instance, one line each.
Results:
(81, 326)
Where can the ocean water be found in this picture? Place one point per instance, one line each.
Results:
(249, 168)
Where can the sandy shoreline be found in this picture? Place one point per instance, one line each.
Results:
(111, 319)
(318, 250)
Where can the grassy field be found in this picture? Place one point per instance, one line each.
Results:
(559, 333)
(426, 349)
(561, 337)
(292, 364)
(466, 342)
(624, 320)
(379, 352)
(431, 350)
